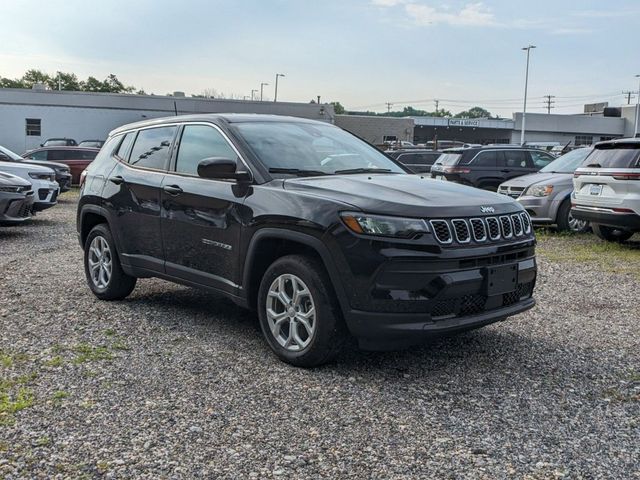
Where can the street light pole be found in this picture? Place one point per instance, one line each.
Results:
(252, 92)
(526, 85)
(262, 89)
(635, 128)
(275, 94)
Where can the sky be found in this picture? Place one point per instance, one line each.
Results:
(362, 53)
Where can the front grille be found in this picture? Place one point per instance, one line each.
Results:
(25, 211)
(523, 291)
(54, 197)
(481, 230)
(462, 231)
(513, 192)
(441, 230)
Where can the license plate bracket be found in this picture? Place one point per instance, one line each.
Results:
(501, 279)
(595, 189)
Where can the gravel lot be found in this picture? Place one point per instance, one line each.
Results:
(175, 383)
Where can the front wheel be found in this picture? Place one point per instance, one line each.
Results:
(611, 234)
(105, 276)
(567, 222)
(299, 314)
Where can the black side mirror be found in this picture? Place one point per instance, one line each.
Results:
(222, 169)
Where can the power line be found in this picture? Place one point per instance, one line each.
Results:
(548, 102)
(629, 94)
(389, 105)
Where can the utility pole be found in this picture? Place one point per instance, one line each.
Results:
(262, 89)
(548, 102)
(526, 85)
(253, 92)
(389, 105)
(629, 93)
(437, 102)
(275, 94)
(635, 129)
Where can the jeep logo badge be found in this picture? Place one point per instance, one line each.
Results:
(487, 209)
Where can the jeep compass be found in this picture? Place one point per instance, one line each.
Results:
(318, 231)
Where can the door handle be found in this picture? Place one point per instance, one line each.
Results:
(172, 189)
(118, 180)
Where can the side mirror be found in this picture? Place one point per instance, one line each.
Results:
(222, 169)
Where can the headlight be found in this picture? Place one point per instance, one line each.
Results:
(62, 170)
(42, 176)
(383, 226)
(540, 190)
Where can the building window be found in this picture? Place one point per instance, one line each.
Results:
(583, 140)
(33, 127)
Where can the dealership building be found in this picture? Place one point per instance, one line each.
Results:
(29, 117)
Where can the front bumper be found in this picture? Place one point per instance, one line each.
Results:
(608, 217)
(16, 209)
(46, 196)
(539, 209)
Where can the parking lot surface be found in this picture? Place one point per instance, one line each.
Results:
(176, 383)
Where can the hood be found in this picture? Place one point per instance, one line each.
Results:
(396, 194)
(6, 179)
(46, 163)
(543, 178)
(18, 168)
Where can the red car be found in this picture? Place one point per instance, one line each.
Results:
(77, 158)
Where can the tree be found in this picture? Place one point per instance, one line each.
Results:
(11, 83)
(67, 81)
(92, 85)
(31, 77)
(475, 112)
(338, 108)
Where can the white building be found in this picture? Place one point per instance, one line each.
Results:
(29, 117)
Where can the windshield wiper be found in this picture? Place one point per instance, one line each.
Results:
(297, 171)
(363, 170)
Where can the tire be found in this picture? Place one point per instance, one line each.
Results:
(321, 334)
(114, 286)
(566, 222)
(611, 234)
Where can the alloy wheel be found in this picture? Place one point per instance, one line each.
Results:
(100, 262)
(291, 312)
(576, 225)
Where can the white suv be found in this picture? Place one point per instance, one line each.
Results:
(42, 179)
(606, 189)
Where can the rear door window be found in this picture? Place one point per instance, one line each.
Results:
(57, 155)
(624, 156)
(486, 159)
(41, 155)
(517, 159)
(541, 159)
(87, 155)
(152, 148)
(199, 142)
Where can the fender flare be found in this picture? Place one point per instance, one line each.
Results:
(305, 239)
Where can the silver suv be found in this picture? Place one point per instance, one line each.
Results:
(546, 195)
(607, 189)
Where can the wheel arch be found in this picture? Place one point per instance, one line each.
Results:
(269, 244)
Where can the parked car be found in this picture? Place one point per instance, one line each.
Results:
(546, 195)
(91, 143)
(59, 142)
(76, 158)
(63, 173)
(607, 189)
(319, 243)
(16, 199)
(416, 160)
(488, 167)
(42, 179)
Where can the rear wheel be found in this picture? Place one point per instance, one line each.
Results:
(611, 234)
(567, 222)
(102, 267)
(299, 314)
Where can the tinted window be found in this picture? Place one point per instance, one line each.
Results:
(541, 159)
(90, 155)
(151, 148)
(41, 155)
(123, 148)
(517, 159)
(418, 158)
(621, 156)
(449, 158)
(199, 142)
(568, 162)
(486, 159)
(56, 155)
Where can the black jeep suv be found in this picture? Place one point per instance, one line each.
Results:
(318, 231)
(487, 167)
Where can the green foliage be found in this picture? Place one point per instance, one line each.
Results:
(68, 81)
(338, 108)
(475, 112)
(87, 353)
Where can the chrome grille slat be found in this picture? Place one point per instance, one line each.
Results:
(517, 225)
(506, 226)
(526, 222)
(442, 231)
(479, 229)
(461, 229)
(493, 228)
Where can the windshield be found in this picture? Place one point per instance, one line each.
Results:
(614, 156)
(312, 148)
(568, 162)
(12, 156)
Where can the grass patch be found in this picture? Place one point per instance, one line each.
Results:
(120, 345)
(86, 353)
(6, 360)
(10, 404)
(54, 362)
(109, 332)
(60, 395)
(611, 257)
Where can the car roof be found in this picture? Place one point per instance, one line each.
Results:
(70, 147)
(216, 118)
(618, 142)
(415, 150)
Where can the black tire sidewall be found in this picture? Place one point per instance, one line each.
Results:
(562, 220)
(328, 335)
(607, 233)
